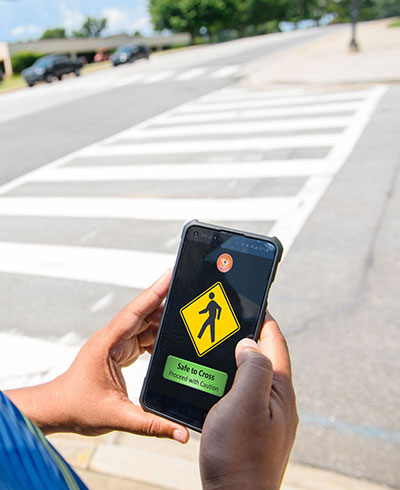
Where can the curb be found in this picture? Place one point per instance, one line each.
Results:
(123, 461)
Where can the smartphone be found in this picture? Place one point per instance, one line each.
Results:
(217, 296)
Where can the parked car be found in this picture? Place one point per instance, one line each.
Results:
(129, 53)
(48, 67)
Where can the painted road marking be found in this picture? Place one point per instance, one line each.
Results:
(231, 93)
(289, 227)
(185, 171)
(190, 74)
(207, 146)
(273, 102)
(317, 109)
(102, 303)
(130, 79)
(247, 209)
(126, 268)
(158, 77)
(243, 128)
(226, 71)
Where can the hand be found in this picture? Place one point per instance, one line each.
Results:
(248, 435)
(91, 397)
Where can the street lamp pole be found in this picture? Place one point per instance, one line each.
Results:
(353, 17)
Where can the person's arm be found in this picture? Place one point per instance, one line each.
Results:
(91, 397)
(219, 312)
(248, 435)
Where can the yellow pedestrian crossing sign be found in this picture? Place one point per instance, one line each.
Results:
(209, 319)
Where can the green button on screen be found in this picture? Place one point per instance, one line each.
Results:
(195, 376)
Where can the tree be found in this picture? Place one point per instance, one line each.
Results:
(92, 27)
(215, 15)
(386, 8)
(188, 15)
(368, 9)
(55, 33)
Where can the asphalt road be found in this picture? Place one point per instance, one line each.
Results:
(337, 297)
(316, 167)
(42, 124)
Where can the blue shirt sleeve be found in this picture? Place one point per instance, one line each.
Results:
(27, 459)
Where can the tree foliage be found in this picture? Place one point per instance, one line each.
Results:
(257, 16)
(215, 15)
(55, 33)
(92, 27)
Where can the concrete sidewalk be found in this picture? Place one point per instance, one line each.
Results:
(121, 461)
(329, 61)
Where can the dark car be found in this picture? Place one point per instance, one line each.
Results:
(48, 67)
(129, 53)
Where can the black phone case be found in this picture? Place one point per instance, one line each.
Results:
(260, 321)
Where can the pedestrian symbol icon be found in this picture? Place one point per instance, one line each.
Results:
(212, 309)
(209, 319)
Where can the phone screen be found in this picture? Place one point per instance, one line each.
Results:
(218, 296)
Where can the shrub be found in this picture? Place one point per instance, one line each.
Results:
(23, 59)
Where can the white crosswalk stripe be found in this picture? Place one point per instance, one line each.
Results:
(243, 128)
(126, 268)
(267, 208)
(184, 171)
(190, 74)
(272, 102)
(158, 77)
(265, 114)
(226, 71)
(271, 155)
(222, 145)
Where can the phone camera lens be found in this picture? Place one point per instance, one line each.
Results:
(195, 233)
(217, 238)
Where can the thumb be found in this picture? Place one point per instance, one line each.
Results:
(134, 419)
(253, 378)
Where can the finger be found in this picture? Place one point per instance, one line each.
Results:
(253, 379)
(131, 320)
(151, 298)
(241, 347)
(135, 420)
(273, 345)
(148, 337)
(156, 315)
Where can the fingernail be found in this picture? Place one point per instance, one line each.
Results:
(179, 436)
(246, 342)
(168, 271)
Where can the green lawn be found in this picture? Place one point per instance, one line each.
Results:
(395, 23)
(12, 83)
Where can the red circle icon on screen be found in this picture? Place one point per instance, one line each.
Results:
(224, 263)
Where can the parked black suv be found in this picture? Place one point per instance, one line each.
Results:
(129, 53)
(48, 67)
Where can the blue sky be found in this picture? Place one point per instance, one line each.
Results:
(27, 19)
